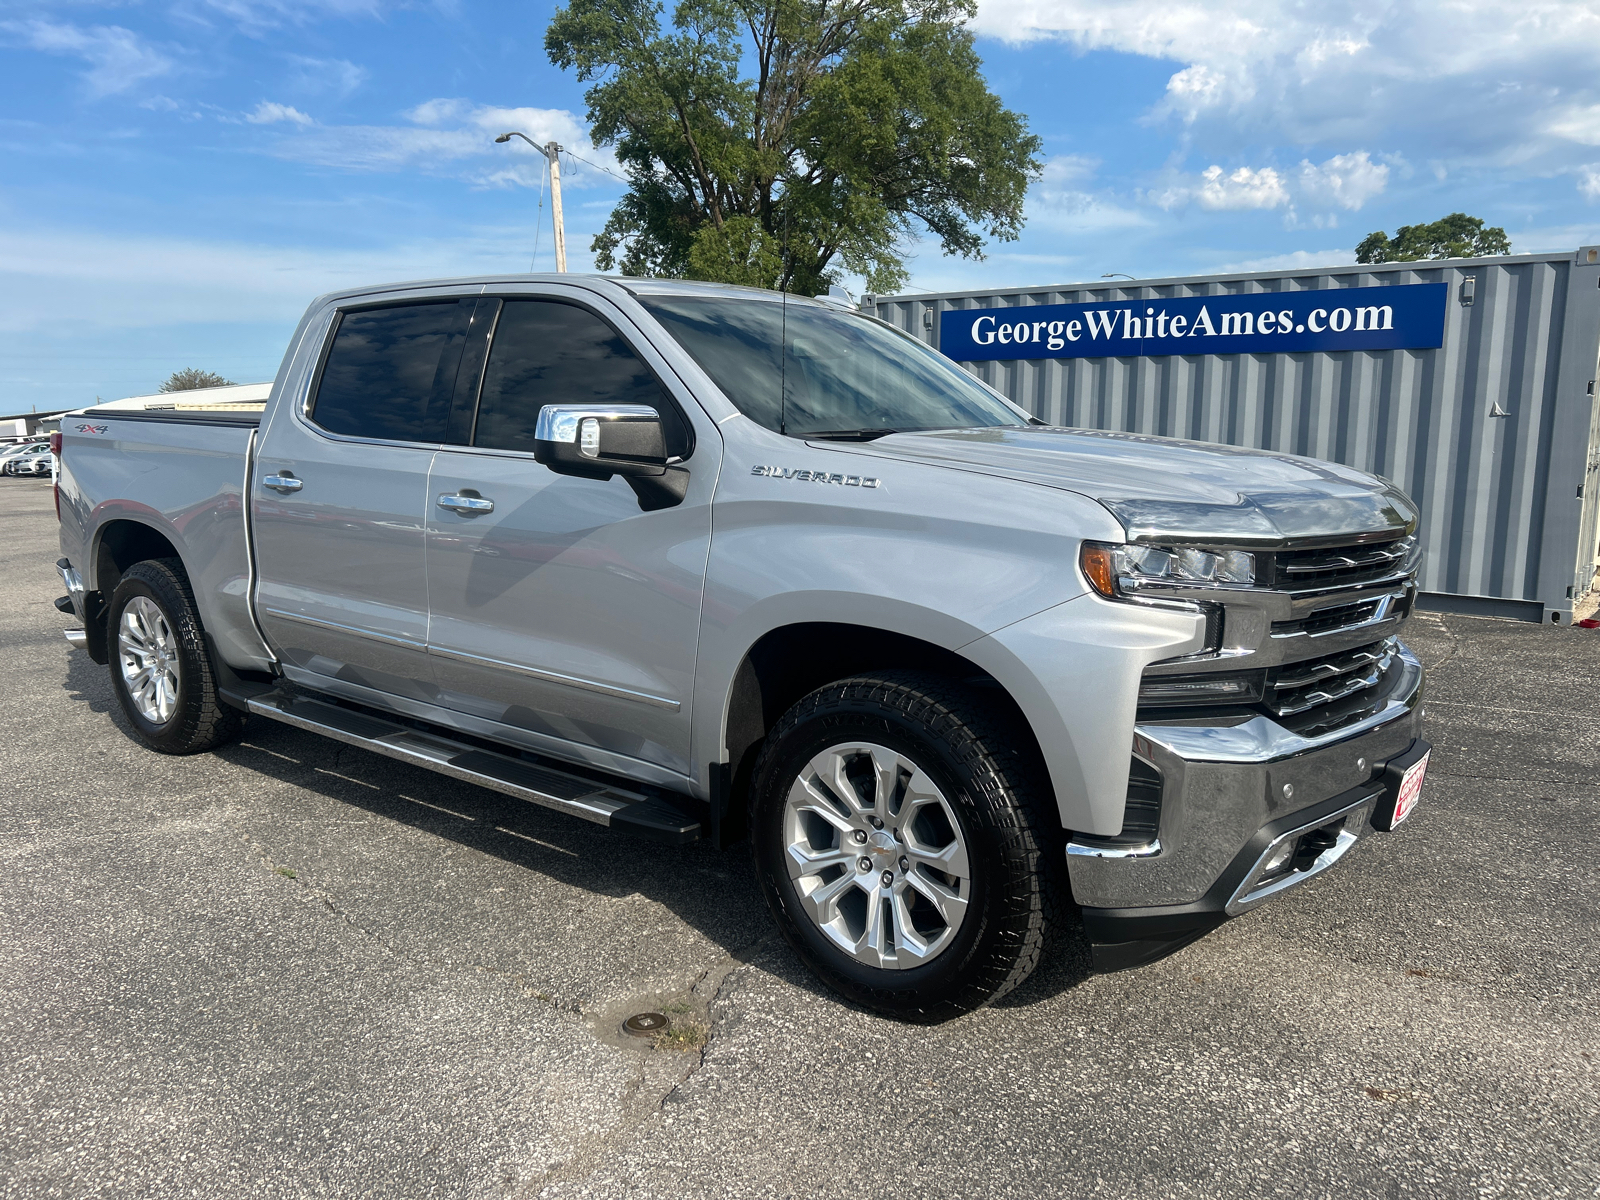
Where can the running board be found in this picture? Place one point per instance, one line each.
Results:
(614, 807)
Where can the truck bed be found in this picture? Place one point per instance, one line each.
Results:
(187, 469)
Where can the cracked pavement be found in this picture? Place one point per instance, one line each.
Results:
(292, 968)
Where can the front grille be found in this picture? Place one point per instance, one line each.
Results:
(1343, 567)
(1299, 687)
(1327, 620)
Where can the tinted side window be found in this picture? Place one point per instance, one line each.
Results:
(391, 372)
(545, 352)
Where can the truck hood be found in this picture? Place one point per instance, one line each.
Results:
(1167, 490)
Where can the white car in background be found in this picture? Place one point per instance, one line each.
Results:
(7, 453)
(35, 460)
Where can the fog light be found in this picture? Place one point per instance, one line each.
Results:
(1239, 687)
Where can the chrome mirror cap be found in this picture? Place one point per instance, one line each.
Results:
(561, 422)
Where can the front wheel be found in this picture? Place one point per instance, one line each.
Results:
(161, 670)
(907, 843)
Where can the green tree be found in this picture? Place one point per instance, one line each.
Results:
(1455, 236)
(774, 142)
(190, 378)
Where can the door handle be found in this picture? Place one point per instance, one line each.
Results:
(283, 483)
(467, 506)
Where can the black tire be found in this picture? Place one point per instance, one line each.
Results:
(991, 774)
(200, 720)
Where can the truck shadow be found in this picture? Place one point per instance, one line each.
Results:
(714, 892)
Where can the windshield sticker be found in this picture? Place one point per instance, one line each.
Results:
(815, 476)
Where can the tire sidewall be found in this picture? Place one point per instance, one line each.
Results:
(864, 722)
(145, 581)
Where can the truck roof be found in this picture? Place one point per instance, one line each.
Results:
(634, 286)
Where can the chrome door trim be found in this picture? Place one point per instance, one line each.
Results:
(370, 635)
(588, 685)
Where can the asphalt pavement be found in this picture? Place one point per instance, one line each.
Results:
(295, 969)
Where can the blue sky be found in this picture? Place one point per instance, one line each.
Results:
(181, 178)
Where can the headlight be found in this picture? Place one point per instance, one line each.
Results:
(1116, 571)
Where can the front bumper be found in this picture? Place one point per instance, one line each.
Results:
(1229, 794)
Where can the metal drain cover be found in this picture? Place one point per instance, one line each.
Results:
(644, 1024)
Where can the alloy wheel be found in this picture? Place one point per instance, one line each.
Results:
(877, 855)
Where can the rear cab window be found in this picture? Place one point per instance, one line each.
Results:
(390, 371)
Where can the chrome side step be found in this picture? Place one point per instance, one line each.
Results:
(614, 807)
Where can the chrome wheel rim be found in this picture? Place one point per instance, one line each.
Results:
(876, 855)
(148, 653)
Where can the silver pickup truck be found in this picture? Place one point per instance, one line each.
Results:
(705, 562)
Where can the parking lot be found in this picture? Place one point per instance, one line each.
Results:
(292, 968)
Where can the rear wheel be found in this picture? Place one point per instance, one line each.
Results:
(161, 669)
(907, 843)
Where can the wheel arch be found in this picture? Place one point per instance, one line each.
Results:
(121, 542)
(789, 661)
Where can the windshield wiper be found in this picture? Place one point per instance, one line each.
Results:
(849, 435)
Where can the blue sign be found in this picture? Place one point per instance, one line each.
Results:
(1406, 316)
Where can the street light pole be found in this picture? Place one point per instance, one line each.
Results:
(552, 151)
(552, 154)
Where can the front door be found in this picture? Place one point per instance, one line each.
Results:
(564, 612)
(340, 495)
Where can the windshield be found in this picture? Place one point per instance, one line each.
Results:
(841, 373)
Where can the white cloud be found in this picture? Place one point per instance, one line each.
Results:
(319, 76)
(118, 58)
(1589, 181)
(1579, 124)
(1345, 181)
(453, 136)
(1064, 200)
(270, 113)
(1478, 77)
(1243, 188)
(1298, 260)
(257, 16)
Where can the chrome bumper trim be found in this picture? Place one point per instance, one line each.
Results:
(74, 585)
(1357, 814)
(1148, 850)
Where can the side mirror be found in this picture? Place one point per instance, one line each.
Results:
(597, 441)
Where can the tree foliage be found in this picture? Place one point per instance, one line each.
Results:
(1455, 236)
(190, 378)
(774, 142)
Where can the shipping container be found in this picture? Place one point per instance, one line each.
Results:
(1488, 419)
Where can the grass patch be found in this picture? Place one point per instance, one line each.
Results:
(682, 1036)
(287, 873)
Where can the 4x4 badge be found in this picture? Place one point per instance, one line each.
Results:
(815, 476)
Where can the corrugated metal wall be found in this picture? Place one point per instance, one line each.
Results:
(1489, 433)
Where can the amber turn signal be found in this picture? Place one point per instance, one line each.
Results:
(1097, 568)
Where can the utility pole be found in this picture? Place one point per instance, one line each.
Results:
(552, 154)
(552, 151)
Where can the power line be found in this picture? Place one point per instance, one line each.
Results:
(596, 166)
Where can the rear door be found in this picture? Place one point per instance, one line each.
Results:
(565, 613)
(340, 495)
